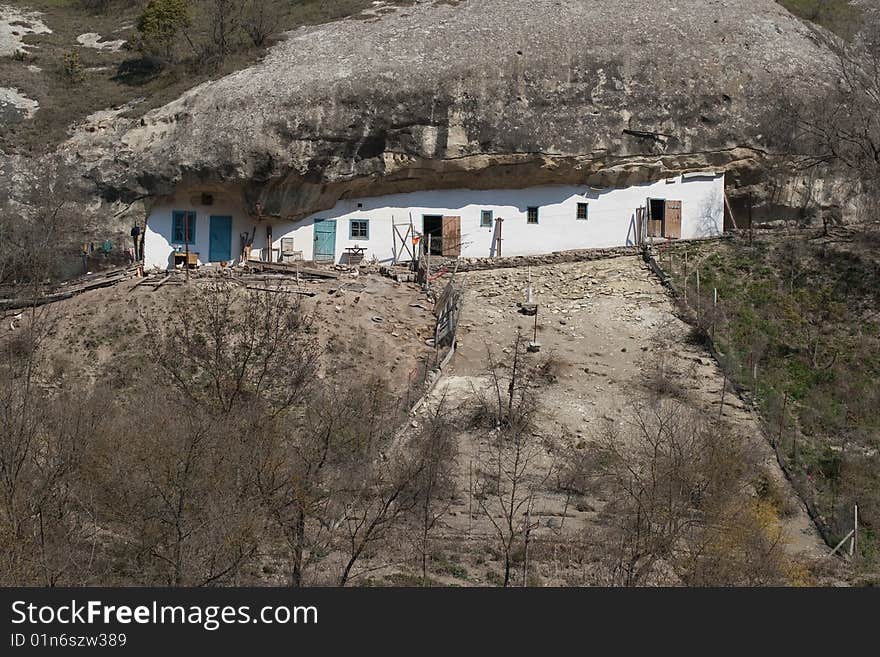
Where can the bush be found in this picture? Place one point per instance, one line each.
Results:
(160, 24)
(72, 68)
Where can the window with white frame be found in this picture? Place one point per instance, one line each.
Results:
(486, 219)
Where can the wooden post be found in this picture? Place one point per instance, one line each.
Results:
(269, 242)
(730, 211)
(393, 241)
(842, 541)
(535, 339)
(500, 223)
(428, 262)
(526, 531)
(685, 277)
(186, 244)
(470, 495)
(714, 309)
(854, 546)
(412, 232)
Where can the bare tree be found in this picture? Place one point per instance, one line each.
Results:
(225, 19)
(45, 439)
(261, 21)
(682, 505)
(231, 350)
(38, 231)
(380, 488)
(175, 482)
(514, 467)
(303, 467)
(434, 453)
(842, 127)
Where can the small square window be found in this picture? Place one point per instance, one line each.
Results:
(183, 227)
(583, 211)
(532, 215)
(486, 219)
(360, 229)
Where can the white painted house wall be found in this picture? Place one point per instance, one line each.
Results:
(610, 222)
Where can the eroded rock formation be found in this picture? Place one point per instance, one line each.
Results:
(476, 93)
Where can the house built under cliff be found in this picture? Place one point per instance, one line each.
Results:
(217, 228)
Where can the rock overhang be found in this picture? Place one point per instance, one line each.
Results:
(495, 93)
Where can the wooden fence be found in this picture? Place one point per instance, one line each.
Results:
(447, 309)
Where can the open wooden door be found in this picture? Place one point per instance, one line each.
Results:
(451, 237)
(673, 219)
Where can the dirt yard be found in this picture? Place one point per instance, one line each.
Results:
(602, 324)
(370, 323)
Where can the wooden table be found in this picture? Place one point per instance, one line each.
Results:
(355, 254)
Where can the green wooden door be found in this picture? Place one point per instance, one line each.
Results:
(220, 244)
(325, 240)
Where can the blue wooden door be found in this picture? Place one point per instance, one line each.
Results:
(220, 245)
(325, 240)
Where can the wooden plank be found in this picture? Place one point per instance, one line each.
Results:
(66, 293)
(162, 282)
(730, 211)
(306, 293)
(138, 284)
(451, 237)
(292, 268)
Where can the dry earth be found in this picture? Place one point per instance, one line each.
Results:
(603, 323)
(368, 324)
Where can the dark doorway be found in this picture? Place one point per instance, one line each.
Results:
(432, 224)
(656, 214)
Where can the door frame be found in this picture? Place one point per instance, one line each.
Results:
(425, 234)
(211, 223)
(650, 217)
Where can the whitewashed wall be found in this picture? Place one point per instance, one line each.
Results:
(158, 245)
(611, 220)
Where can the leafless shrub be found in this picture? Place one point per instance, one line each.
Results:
(261, 21)
(433, 452)
(231, 350)
(681, 505)
(174, 485)
(46, 520)
(662, 381)
(37, 231)
(514, 467)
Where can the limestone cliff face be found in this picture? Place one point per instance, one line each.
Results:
(477, 93)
